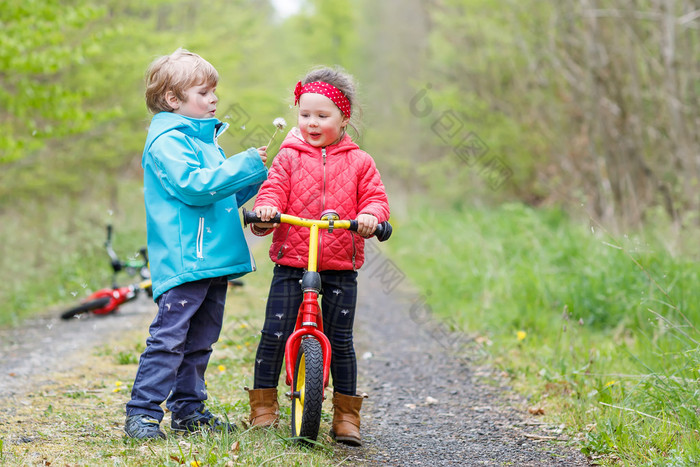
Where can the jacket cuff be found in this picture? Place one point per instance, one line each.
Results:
(258, 231)
(371, 214)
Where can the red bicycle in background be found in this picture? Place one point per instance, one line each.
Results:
(308, 351)
(108, 300)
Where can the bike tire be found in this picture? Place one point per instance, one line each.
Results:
(307, 388)
(85, 307)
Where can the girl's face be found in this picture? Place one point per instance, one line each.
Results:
(200, 102)
(321, 122)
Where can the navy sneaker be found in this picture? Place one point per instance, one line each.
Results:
(200, 420)
(143, 426)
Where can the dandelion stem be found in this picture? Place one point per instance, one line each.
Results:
(273, 137)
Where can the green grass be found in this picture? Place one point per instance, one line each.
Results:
(598, 330)
(52, 253)
(79, 419)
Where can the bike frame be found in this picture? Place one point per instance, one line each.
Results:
(309, 325)
(117, 295)
(120, 295)
(309, 319)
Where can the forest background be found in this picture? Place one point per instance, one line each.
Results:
(541, 159)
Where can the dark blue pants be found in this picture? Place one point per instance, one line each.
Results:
(177, 352)
(338, 309)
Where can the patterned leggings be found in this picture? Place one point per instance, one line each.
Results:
(338, 302)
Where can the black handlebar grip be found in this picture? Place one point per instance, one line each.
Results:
(144, 254)
(382, 232)
(249, 217)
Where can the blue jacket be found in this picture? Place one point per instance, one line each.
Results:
(192, 194)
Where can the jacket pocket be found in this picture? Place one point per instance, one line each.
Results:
(200, 239)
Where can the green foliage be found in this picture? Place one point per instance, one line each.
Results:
(589, 306)
(53, 253)
(326, 33)
(81, 113)
(540, 267)
(41, 45)
(608, 324)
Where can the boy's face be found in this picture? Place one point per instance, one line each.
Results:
(200, 102)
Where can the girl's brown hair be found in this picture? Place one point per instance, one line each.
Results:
(342, 80)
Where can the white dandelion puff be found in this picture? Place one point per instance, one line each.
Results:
(279, 123)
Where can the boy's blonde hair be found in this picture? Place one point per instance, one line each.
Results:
(176, 72)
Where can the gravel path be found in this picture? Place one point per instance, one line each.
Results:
(47, 345)
(426, 405)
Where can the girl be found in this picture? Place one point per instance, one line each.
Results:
(318, 168)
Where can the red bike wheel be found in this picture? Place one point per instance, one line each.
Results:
(307, 391)
(85, 307)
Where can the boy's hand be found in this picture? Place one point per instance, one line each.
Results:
(266, 213)
(366, 224)
(263, 153)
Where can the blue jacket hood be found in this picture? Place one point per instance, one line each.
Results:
(206, 129)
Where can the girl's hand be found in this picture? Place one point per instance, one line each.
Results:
(266, 213)
(263, 153)
(366, 224)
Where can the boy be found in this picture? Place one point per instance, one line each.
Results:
(195, 241)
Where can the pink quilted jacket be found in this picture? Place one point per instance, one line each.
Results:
(304, 181)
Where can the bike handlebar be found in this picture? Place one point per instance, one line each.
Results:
(116, 262)
(119, 265)
(383, 231)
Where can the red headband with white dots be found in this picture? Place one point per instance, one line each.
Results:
(325, 89)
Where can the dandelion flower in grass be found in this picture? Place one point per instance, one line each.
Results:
(521, 335)
(610, 383)
(279, 123)
(221, 368)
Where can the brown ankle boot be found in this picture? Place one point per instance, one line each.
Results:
(264, 409)
(346, 419)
